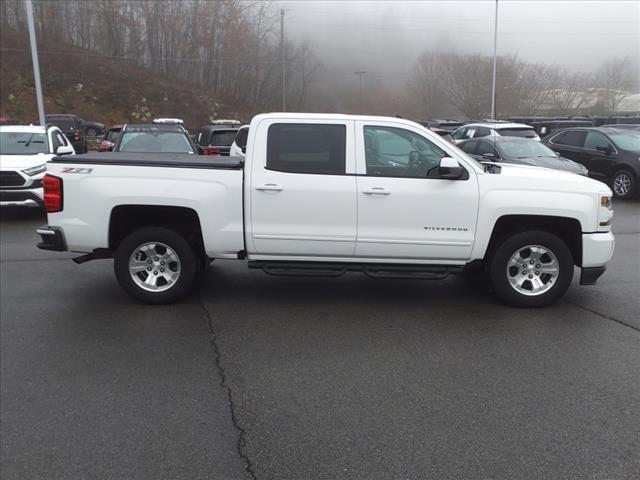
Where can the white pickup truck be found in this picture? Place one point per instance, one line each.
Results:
(322, 194)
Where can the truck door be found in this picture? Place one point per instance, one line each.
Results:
(404, 210)
(302, 195)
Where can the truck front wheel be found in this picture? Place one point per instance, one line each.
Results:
(531, 269)
(155, 265)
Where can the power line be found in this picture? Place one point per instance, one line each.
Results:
(456, 31)
(454, 19)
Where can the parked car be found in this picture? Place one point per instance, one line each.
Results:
(239, 146)
(547, 127)
(625, 126)
(449, 125)
(110, 139)
(168, 121)
(610, 154)
(216, 139)
(521, 151)
(326, 194)
(154, 138)
(477, 130)
(72, 127)
(93, 129)
(24, 153)
(446, 134)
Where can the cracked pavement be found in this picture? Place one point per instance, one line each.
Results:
(289, 378)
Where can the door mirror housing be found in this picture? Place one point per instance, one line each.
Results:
(489, 156)
(604, 148)
(449, 168)
(64, 150)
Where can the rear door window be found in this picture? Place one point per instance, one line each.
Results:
(571, 138)
(482, 132)
(307, 148)
(469, 147)
(486, 147)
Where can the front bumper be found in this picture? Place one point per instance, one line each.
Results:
(17, 197)
(597, 250)
(52, 238)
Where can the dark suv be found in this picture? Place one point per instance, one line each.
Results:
(73, 128)
(610, 154)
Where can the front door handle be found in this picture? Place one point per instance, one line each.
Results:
(269, 187)
(376, 191)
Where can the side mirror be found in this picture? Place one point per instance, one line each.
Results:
(64, 150)
(489, 156)
(604, 148)
(449, 168)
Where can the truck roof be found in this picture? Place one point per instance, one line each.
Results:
(334, 116)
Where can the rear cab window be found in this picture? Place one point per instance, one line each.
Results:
(307, 148)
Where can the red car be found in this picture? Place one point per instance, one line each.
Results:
(110, 139)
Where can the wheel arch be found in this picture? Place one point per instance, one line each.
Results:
(125, 219)
(568, 229)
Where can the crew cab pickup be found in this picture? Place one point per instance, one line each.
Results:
(321, 194)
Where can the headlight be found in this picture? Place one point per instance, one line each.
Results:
(36, 170)
(605, 201)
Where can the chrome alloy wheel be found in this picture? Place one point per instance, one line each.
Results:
(154, 267)
(622, 184)
(533, 270)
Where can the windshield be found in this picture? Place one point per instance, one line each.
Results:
(23, 143)
(524, 149)
(155, 142)
(518, 132)
(629, 141)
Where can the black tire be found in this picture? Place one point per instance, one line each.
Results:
(92, 133)
(187, 261)
(517, 242)
(624, 176)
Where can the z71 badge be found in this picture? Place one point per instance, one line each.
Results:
(76, 170)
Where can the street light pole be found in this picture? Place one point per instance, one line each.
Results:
(360, 74)
(34, 59)
(495, 57)
(284, 91)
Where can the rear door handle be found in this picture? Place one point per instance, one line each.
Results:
(376, 191)
(269, 187)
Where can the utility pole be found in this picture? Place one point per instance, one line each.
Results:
(284, 84)
(495, 57)
(34, 59)
(360, 75)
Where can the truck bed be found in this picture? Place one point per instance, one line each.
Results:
(170, 160)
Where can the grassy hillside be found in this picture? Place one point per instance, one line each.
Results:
(95, 88)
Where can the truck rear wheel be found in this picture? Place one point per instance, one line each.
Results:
(155, 265)
(531, 269)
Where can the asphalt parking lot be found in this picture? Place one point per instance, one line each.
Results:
(354, 378)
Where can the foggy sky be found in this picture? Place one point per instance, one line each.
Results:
(385, 37)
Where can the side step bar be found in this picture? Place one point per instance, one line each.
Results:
(373, 270)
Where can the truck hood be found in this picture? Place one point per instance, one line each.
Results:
(20, 162)
(555, 163)
(536, 178)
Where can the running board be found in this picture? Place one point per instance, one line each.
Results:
(373, 270)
